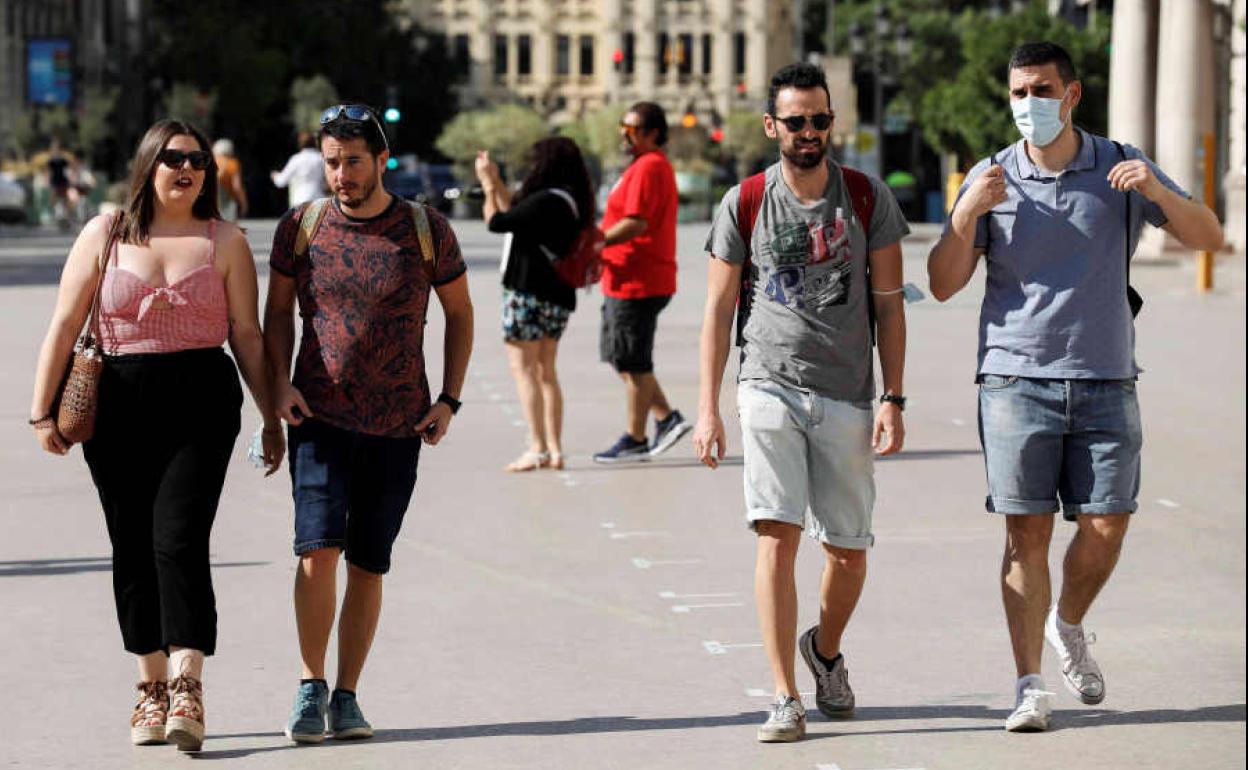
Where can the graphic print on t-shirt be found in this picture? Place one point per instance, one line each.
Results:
(809, 265)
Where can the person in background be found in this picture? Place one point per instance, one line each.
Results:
(232, 198)
(555, 203)
(303, 175)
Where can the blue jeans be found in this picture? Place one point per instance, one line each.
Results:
(1073, 441)
(351, 491)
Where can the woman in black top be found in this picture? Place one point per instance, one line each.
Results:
(554, 205)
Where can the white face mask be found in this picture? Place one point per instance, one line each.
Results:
(1039, 120)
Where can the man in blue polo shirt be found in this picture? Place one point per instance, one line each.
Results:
(1057, 216)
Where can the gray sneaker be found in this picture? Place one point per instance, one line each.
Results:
(833, 695)
(1082, 676)
(1031, 710)
(786, 721)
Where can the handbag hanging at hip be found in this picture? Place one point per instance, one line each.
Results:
(77, 401)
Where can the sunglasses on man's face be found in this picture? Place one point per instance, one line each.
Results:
(629, 128)
(796, 123)
(175, 158)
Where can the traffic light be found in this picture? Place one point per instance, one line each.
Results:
(717, 135)
(392, 164)
(392, 115)
(689, 120)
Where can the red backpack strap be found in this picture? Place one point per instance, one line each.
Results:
(862, 198)
(749, 201)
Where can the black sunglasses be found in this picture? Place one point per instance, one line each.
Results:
(795, 123)
(175, 158)
(356, 113)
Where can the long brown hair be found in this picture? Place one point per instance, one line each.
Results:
(557, 162)
(142, 200)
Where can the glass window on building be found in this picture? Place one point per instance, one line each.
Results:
(500, 54)
(630, 52)
(738, 53)
(462, 58)
(587, 55)
(563, 55)
(708, 46)
(684, 54)
(524, 55)
(665, 53)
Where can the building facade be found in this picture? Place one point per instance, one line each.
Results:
(105, 36)
(566, 57)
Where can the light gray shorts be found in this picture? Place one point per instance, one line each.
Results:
(804, 452)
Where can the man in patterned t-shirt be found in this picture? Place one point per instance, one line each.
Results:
(362, 266)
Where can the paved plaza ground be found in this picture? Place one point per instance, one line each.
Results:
(603, 617)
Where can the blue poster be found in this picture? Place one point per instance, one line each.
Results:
(50, 71)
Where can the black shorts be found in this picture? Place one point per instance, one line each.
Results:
(627, 338)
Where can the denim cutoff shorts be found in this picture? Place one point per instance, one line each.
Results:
(351, 491)
(1047, 441)
(805, 453)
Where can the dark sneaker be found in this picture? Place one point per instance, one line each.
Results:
(668, 431)
(346, 721)
(626, 450)
(833, 695)
(307, 719)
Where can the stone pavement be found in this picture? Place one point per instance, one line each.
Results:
(603, 617)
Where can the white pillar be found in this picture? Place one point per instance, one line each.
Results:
(646, 48)
(757, 39)
(1133, 73)
(1234, 180)
(1185, 96)
(723, 77)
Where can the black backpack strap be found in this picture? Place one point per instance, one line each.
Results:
(1134, 300)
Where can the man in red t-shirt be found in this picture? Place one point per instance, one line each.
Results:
(638, 280)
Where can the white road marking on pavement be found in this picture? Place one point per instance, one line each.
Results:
(719, 648)
(834, 766)
(495, 397)
(640, 562)
(674, 595)
(639, 533)
(690, 607)
(605, 524)
(518, 423)
(1167, 502)
(958, 422)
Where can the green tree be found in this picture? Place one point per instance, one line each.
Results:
(308, 97)
(190, 103)
(744, 140)
(598, 132)
(95, 119)
(507, 131)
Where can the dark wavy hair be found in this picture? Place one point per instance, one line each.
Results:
(344, 130)
(801, 76)
(557, 162)
(653, 118)
(141, 206)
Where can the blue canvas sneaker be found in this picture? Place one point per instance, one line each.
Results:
(307, 719)
(346, 721)
(626, 450)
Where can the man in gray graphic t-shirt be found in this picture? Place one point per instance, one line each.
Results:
(806, 384)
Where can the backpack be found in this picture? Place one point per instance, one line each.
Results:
(315, 212)
(581, 265)
(861, 197)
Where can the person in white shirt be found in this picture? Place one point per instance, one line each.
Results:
(303, 174)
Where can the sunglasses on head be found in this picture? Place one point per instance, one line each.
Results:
(629, 127)
(175, 158)
(796, 123)
(356, 113)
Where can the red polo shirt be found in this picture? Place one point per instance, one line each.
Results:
(646, 265)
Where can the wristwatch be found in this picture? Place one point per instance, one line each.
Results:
(893, 398)
(450, 401)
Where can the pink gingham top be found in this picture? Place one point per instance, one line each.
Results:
(191, 312)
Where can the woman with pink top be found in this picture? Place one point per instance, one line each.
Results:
(177, 284)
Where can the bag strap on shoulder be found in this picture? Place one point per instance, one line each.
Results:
(862, 199)
(749, 201)
(308, 225)
(424, 233)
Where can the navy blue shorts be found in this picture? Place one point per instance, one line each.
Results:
(351, 491)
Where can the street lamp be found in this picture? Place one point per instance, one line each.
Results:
(859, 41)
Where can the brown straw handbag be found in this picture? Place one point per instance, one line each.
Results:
(78, 399)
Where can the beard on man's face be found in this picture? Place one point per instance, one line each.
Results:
(805, 153)
(355, 195)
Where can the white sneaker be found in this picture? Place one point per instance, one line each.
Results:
(1082, 676)
(1031, 709)
(786, 722)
